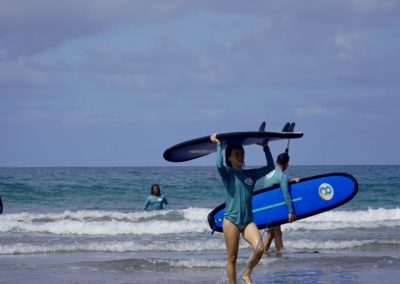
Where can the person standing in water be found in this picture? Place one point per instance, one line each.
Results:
(155, 200)
(238, 217)
(279, 177)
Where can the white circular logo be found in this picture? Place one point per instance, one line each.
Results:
(325, 191)
(248, 181)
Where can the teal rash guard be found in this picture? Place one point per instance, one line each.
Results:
(278, 177)
(155, 202)
(239, 187)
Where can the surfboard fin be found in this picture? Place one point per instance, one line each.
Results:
(262, 127)
(286, 127)
(291, 127)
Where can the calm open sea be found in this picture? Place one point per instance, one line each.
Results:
(85, 225)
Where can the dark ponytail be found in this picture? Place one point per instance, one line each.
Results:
(282, 159)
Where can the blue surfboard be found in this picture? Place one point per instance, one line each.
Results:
(199, 147)
(310, 196)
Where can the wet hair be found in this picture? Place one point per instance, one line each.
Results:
(152, 188)
(228, 152)
(282, 159)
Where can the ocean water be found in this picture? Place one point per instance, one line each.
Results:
(86, 225)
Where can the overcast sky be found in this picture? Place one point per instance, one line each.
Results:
(115, 83)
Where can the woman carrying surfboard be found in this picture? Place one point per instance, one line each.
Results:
(238, 217)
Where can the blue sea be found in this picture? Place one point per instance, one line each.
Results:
(86, 225)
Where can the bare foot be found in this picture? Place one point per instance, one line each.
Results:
(247, 279)
(280, 252)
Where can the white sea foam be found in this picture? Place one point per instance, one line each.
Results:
(107, 228)
(189, 246)
(204, 263)
(196, 214)
(336, 220)
(191, 263)
(191, 220)
(305, 244)
(115, 246)
(86, 215)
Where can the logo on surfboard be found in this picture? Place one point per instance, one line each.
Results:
(326, 191)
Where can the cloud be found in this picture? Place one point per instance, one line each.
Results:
(20, 76)
(277, 44)
(312, 110)
(31, 27)
(125, 67)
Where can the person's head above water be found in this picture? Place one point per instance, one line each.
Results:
(155, 190)
(234, 156)
(283, 160)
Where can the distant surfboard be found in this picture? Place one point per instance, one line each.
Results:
(196, 148)
(310, 196)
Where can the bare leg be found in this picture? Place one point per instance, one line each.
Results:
(278, 239)
(252, 235)
(268, 240)
(231, 235)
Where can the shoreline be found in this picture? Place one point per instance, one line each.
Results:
(92, 267)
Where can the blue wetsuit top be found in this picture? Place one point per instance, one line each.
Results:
(239, 187)
(279, 177)
(155, 202)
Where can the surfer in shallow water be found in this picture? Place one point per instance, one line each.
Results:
(279, 177)
(238, 218)
(155, 200)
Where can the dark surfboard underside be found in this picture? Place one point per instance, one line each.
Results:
(196, 148)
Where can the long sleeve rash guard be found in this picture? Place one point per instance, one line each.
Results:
(239, 187)
(279, 177)
(155, 202)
